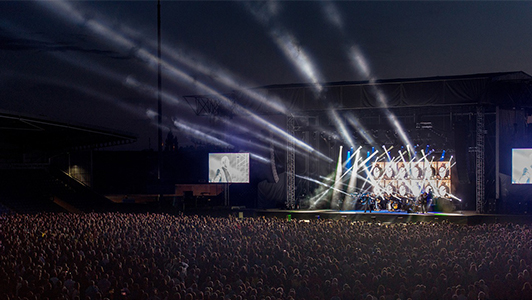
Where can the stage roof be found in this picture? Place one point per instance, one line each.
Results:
(506, 89)
(22, 133)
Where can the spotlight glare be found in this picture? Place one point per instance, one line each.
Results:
(289, 45)
(340, 125)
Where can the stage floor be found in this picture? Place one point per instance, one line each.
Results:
(461, 217)
(383, 216)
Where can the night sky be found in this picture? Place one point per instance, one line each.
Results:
(93, 62)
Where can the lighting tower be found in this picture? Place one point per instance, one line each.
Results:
(290, 164)
(480, 175)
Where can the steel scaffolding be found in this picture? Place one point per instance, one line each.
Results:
(480, 162)
(290, 164)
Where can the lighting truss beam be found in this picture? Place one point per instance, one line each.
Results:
(206, 105)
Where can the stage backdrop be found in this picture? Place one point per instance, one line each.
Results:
(411, 177)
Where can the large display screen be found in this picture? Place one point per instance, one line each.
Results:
(229, 167)
(521, 166)
(411, 178)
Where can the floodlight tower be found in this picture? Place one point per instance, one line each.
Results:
(159, 87)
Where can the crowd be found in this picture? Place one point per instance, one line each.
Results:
(161, 256)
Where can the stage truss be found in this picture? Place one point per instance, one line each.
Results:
(424, 126)
(473, 97)
(480, 161)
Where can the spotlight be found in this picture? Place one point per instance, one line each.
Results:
(348, 159)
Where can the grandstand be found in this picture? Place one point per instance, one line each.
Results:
(36, 169)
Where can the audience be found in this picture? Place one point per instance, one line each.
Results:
(159, 257)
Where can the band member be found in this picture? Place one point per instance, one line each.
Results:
(430, 197)
(393, 202)
(411, 203)
(367, 202)
(406, 202)
(423, 199)
(380, 202)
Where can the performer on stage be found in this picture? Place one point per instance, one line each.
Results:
(406, 203)
(430, 197)
(393, 203)
(423, 202)
(367, 202)
(380, 202)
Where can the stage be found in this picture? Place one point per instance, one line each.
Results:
(459, 217)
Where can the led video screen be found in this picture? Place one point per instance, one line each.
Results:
(229, 167)
(521, 166)
(411, 178)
